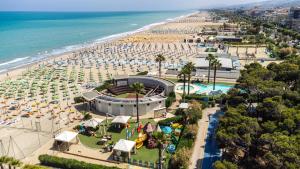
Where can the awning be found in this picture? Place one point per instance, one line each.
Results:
(66, 136)
(184, 105)
(94, 122)
(121, 119)
(124, 145)
(91, 95)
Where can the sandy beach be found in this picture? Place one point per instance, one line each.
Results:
(40, 96)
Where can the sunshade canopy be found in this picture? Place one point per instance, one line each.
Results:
(121, 119)
(66, 136)
(124, 145)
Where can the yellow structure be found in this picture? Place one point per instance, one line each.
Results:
(140, 140)
(177, 125)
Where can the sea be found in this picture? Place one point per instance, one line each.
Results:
(28, 37)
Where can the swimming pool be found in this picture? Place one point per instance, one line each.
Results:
(208, 88)
(199, 88)
(186, 87)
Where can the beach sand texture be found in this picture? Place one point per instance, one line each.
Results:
(42, 93)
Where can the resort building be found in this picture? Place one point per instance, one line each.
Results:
(229, 69)
(120, 99)
(228, 39)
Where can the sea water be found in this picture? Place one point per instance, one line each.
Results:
(27, 37)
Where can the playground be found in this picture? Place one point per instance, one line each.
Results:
(106, 135)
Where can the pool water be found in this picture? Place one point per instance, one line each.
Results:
(208, 88)
(186, 87)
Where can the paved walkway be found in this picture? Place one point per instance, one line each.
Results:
(198, 153)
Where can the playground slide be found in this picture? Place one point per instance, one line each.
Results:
(140, 140)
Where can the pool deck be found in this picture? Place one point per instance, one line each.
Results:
(199, 154)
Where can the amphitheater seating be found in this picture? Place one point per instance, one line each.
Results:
(150, 90)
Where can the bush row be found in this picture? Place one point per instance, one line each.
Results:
(171, 98)
(169, 121)
(64, 163)
(105, 85)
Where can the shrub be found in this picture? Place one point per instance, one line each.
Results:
(142, 73)
(86, 116)
(224, 165)
(181, 158)
(79, 99)
(64, 163)
(168, 121)
(190, 132)
(172, 94)
(171, 98)
(105, 85)
(34, 167)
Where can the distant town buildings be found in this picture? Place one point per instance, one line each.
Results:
(294, 18)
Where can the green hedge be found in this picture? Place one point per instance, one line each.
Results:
(79, 99)
(105, 85)
(168, 121)
(64, 163)
(171, 98)
(142, 73)
(34, 167)
(198, 97)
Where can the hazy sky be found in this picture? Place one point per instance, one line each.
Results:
(111, 5)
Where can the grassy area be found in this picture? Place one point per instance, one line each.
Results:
(146, 154)
(128, 95)
(117, 134)
(173, 79)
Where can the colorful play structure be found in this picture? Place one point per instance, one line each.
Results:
(140, 140)
(144, 134)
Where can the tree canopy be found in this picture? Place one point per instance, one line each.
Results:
(261, 126)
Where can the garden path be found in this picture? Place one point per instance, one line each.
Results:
(198, 151)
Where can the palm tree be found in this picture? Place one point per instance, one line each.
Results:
(160, 138)
(216, 64)
(184, 71)
(15, 163)
(190, 66)
(138, 88)
(210, 59)
(159, 58)
(8, 161)
(3, 160)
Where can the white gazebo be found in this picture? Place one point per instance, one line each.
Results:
(125, 146)
(67, 137)
(94, 122)
(121, 120)
(184, 106)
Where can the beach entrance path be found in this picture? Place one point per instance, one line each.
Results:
(198, 152)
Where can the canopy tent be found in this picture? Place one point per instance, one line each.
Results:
(94, 122)
(158, 129)
(91, 95)
(121, 119)
(66, 136)
(149, 128)
(184, 106)
(125, 146)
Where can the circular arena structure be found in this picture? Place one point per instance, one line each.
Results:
(120, 99)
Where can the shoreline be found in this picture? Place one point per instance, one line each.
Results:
(85, 45)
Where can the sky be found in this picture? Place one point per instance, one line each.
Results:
(113, 5)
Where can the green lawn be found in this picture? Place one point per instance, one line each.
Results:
(142, 153)
(128, 95)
